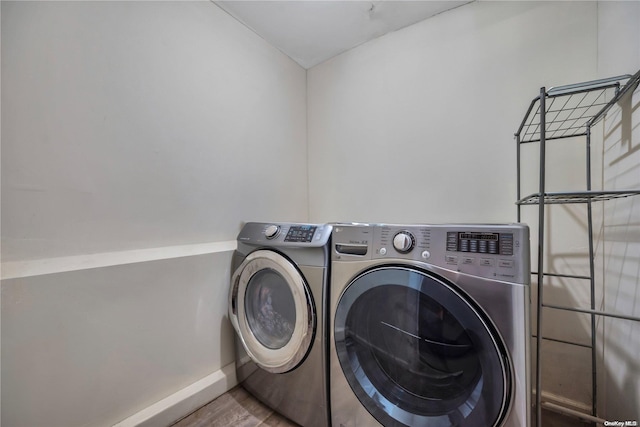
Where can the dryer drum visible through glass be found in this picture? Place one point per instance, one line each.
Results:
(417, 351)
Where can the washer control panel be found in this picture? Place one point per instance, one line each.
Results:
(498, 251)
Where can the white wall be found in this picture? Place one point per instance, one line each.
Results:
(418, 125)
(129, 126)
(93, 346)
(619, 53)
(141, 124)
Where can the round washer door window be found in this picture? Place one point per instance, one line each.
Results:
(416, 352)
(272, 311)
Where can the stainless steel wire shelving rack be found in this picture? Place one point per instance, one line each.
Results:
(568, 112)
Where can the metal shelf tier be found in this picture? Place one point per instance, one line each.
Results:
(570, 110)
(576, 197)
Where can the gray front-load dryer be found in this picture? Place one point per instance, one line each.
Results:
(277, 308)
(429, 326)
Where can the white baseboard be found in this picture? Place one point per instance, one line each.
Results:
(172, 408)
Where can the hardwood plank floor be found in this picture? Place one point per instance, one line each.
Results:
(553, 419)
(235, 408)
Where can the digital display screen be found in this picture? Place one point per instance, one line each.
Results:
(479, 236)
(300, 233)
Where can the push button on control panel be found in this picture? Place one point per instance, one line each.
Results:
(451, 259)
(505, 263)
(486, 262)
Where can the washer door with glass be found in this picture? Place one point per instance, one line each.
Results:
(272, 310)
(416, 352)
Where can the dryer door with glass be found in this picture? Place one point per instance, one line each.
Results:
(417, 352)
(272, 310)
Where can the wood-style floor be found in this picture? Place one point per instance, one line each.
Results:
(553, 419)
(235, 408)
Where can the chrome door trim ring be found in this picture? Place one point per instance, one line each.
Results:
(289, 356)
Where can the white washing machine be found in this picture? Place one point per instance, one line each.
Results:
(277, 308)
(430, 325)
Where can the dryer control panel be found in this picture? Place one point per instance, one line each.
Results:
(285, 234)
(498, 251)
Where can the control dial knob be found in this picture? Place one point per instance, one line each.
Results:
(404, 242)
(271, 231)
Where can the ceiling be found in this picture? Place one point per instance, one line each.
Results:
(312, 31)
